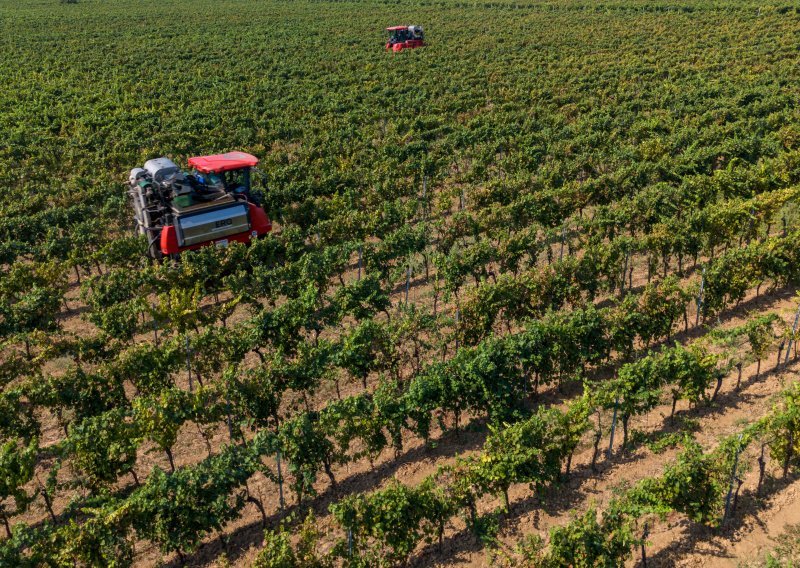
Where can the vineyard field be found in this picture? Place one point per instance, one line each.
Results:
(531, 298)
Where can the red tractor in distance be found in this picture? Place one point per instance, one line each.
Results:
(179, 211)
(405, 37)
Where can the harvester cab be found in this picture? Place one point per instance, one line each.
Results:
(405, 37)
(212, 204)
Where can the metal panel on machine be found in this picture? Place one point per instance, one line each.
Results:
(214, 224)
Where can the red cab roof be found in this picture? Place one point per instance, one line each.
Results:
(222, 162)
(393, 28)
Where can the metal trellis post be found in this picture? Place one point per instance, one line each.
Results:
(791, 338)
(733, 479)
(280, 480)
(613, 428)
(700, 298)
